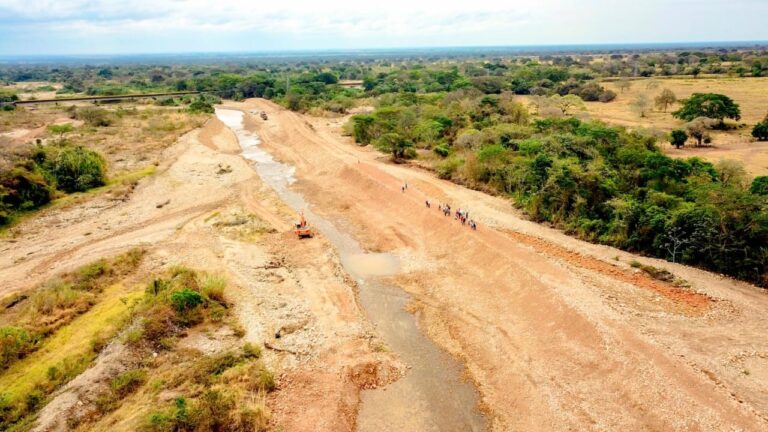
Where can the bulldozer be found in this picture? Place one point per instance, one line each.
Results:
(303, 229)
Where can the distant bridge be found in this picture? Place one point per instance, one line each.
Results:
(104, 98)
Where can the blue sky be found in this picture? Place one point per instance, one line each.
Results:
(29, 27)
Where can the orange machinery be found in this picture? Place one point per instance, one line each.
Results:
(303, 229)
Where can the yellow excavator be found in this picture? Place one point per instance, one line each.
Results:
(303, 229)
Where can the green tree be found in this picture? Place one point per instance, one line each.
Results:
(665, 99)
(760, 131)
(759, 186)
(77, 169)
(362, 128)
(678, 137)
(567, 103)
(394, 143)
(710, 105)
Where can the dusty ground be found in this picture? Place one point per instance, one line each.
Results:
(206, 208)
(557, 334)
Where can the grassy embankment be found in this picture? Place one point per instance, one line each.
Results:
(56, 331)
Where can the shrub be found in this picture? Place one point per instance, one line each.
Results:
(448, 167)
(678, 137)
(211, 412)
(15, 343)
(24, 189)
(95, 117)
(158, 323)
(185, 277)
(77, 169)
(201, 106)
(212, 287)
(87, 277)
(442, 150)
(266, 380)
(759, 185)
(251, 351)
(186, 300)
(127, 382)
(607, 96)
(760, 131)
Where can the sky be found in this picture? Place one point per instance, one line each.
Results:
(40, 27)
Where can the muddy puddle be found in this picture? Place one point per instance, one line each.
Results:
(432, 396)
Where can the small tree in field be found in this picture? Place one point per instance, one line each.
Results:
(699, 128)
(567, 103)
(665, 99)
(760, 131)
(624, 84)
(678, 137)
(641, 104)
(394, 143)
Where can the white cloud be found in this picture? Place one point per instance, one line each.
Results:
(147, 25)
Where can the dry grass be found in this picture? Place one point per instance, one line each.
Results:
(72, 342)
(750, 93)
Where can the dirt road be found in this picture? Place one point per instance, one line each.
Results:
(557, 334)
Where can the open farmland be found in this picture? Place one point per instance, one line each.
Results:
(750, 93)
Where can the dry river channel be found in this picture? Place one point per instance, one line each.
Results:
(432, 395)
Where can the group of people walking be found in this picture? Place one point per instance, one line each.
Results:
(460, 215)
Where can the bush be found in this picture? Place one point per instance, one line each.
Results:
(186, 300)
(15, 343)
(77, 169)
(678, 137)
(759, 186)
(760, 131)
(251, 351)
(24, 189)
(127, 382)
(607, 96)
(95, 117)
(201, 106)
(212, 287)
(448, 167)
(442, 150)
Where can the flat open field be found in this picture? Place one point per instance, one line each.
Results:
(750, 93)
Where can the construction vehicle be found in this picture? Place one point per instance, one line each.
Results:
(303, 229)
(263, 115)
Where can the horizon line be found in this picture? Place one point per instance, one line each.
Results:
(587, 46)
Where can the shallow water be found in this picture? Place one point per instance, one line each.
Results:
(431, 396)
